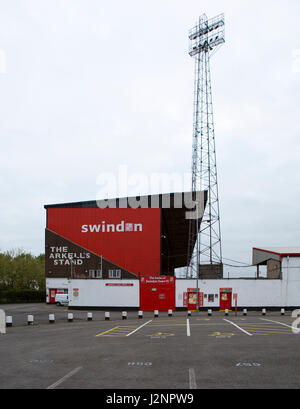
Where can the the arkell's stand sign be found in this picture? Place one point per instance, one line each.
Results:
(63, 256)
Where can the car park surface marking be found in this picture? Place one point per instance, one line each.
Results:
(30, 358)
(281, 323)
(246, 332)
(222, 334)
(136, 329)
(192, 378)
(161, 335)
(54, 385)
(266, 330)
(122, 330)
(188, 329)
(119, 331)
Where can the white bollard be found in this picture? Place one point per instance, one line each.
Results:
(9, 321)
(30, 319)
(155, 313)
(170, 313)
(51, 318)
(2, 322)
(244, 311)
(189, 313)
(70, 317)
(209, 312)
(124, 315)
(263, 311)
(89, 316)
(226, 312)
(140, 314)
(107, 316)
(282, 312)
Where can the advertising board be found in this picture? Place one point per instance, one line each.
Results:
(130, 238)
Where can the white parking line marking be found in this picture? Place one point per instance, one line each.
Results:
(192, 378)
(188, 330)
(248, 333)
(54, 385)
(281, 323)
(141, 326)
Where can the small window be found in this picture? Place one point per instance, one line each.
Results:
(98, 274)
(114, 273)
(95, 273)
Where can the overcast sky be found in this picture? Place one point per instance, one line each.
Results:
(87, 86)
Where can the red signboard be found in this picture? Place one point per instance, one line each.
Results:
(118, 285)
(129, 238)
(157, 293)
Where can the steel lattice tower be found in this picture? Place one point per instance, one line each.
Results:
(205, 38)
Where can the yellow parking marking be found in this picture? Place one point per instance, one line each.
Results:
(270, 331)
(106, 332)
(119, 331)
(266, 329)
(222, 334)
(240, 328)
(161, 334)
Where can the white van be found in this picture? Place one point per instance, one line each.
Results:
(61, 299)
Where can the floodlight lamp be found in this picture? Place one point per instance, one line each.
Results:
(207, 34)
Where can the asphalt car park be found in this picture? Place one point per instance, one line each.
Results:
(164, 352)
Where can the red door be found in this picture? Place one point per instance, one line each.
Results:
(157, 293)
(225, 300)
(52, 294)
(192, 301)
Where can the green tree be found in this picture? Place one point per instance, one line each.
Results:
(21, 270)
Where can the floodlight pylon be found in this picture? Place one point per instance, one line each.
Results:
(205, 38)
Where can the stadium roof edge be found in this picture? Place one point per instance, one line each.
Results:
(95, 203)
